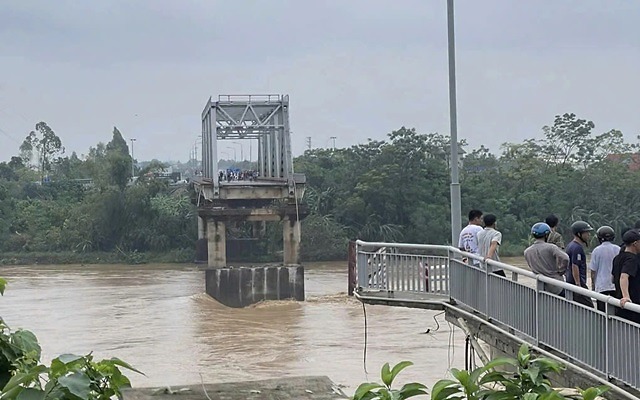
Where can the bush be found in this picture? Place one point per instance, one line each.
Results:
(323, 239)
(530, 382)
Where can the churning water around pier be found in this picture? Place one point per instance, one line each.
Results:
(158, 318)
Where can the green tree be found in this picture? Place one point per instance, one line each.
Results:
(45, 143)
(118, 160)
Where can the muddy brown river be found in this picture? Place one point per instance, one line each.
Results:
(158, 318)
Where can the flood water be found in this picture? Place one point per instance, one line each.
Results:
(157, 318)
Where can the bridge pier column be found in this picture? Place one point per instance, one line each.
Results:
(202, 228)
(291, 240)
(216, 243)
(259, 229)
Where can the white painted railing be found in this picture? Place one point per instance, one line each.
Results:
(609, 345)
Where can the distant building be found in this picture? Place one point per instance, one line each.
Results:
(631, 160)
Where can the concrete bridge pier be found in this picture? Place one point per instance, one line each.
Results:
(202, 243)
(243, 286)
(291, 241)
(217, 243)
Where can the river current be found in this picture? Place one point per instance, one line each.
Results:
(158, 318)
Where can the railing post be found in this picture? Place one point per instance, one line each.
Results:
(608, 310)
(448, 274)
(361, 268)
(486, 287)
(352, 266)
(539, 288)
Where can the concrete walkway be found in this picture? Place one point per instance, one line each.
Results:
(301, 387)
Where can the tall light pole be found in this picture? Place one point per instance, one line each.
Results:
(333, 138)
(241, 151)
(133, 162)
(456, 208)
(235, 158)
(195, 148)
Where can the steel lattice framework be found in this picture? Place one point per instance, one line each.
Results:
(264, 118)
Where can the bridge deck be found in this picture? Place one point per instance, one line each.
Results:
(259, 182)
(425, 301)
(521, 306)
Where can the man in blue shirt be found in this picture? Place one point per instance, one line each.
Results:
(577, 269)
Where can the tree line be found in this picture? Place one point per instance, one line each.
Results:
(382, 190)
(51, 202)
(398, 189)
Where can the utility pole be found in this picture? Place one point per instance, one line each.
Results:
(133, 162)
(241, 151)
(308, 139)
(456, 208)
(333, 138)
(235, 155)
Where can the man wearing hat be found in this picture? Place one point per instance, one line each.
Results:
(577, 269)
(626, 274)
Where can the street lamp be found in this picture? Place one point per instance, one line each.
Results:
(241, 151)
(132, 159)
(234, 153)
(194, 149)
(456, 208)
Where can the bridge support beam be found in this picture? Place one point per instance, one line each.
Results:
(291, 240)
(216, 236)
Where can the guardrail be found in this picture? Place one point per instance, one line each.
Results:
(608, 344)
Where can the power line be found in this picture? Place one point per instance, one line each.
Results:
(9, 136)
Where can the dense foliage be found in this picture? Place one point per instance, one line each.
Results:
(529, 381)
(392, 190)
(398, 190)
(88, 204)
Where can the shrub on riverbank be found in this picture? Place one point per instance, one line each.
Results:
(529, 381)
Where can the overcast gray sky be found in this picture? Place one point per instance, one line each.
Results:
(354, 69)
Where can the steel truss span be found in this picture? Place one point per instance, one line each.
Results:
(263, 119)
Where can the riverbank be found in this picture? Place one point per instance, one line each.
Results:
(179, 256)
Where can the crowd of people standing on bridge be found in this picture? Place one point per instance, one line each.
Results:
(234, 174)
(614, 269)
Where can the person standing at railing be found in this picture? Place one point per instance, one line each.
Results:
(554, 237)
(601, 264)
(626, 275)
(545, 258)
(577, 270)
(489, 240)
(469, 235)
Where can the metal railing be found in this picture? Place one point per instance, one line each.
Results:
(606, 343)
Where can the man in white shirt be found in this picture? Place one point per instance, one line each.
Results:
(469, 235)
(602, 263)
(489, 241)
